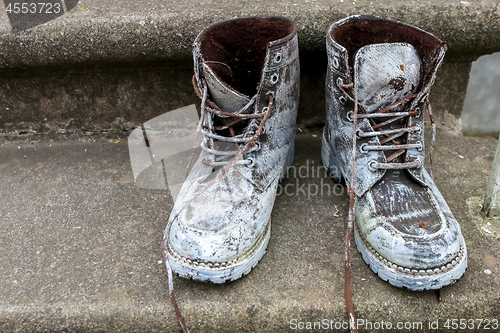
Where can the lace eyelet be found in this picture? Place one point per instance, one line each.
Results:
(336, 63)
(358, 133)
(418, 114)
(420, 164)
(277, 58)
(342, 100)
(259, 146)
(252, 162)
(372, 165)
(349, 114)
(361, 148)
(419, 129)
(253, 132)
(274, 78)
(421, 146)
(339, 81)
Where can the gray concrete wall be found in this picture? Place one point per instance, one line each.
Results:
(99, 97)
(114, 65)
(481, 112)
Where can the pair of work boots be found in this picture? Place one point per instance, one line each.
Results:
(379, 76)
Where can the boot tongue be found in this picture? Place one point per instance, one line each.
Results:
(220, 92)
(385, 73)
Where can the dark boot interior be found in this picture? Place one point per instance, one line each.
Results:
(365, 30)
(242, 45)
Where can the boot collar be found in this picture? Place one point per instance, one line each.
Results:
(276, 49)
(347, 36)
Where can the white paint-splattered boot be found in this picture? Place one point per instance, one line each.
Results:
(247, 75)
(379, 76)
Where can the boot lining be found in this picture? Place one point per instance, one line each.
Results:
(363, 30)
(242, 45)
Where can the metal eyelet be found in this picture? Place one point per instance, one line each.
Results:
(278, 57)
(259, 146)
(252, 162)
(418, 115)
(421, 146)
(420, 163)
(274, 78)
(372, 165)
(339, 81)
(265, 109)
(419, 129)
(336, 63)
(263, 130)
(349, 114)
(361, 148)
(342, 100)
(358, 133)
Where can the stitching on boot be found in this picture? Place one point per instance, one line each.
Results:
(412, 271)
(215, 265)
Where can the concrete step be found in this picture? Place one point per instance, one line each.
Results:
(81, 247)
(113, 65)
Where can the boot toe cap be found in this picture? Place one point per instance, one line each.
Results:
(212, 246)
(431, 248)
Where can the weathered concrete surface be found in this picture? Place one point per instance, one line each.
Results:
(117, 97)
(92, 98)
(481, 112)
(80, 247)
(112, 65)
(130, 31)
(492, 198)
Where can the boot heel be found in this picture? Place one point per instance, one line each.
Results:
(330, 162)
(288, 160)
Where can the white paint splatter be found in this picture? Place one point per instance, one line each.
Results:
(486, 230)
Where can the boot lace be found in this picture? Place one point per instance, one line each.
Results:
(390, 136)
(246, 142)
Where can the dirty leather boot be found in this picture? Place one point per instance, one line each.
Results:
(247, 76)
(379, 76)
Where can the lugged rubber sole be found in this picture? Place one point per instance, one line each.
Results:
(399, 276)
(413, 279)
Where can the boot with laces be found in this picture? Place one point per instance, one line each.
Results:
(247, 76)
(379, 76)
